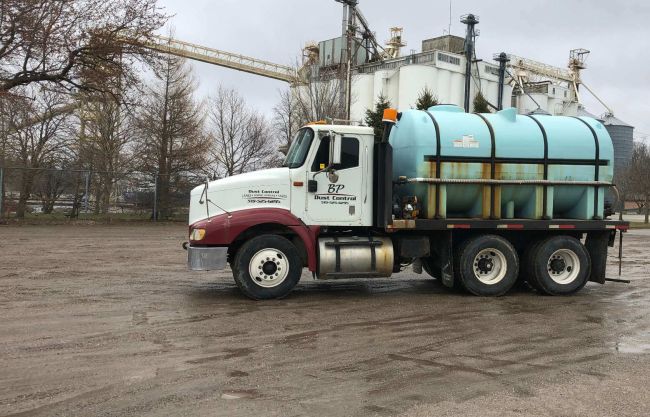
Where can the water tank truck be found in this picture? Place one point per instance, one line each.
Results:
(478, 201)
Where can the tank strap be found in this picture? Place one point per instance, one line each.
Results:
(493, 154)
(597, 165)
(373, 255)
(545, 214)
(438, 162)
(337, 251)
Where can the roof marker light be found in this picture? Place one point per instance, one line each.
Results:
(390, 116)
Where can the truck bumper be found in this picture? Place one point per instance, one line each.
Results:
(206, 259)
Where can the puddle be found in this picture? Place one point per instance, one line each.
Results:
(634, 345)
(237, 395)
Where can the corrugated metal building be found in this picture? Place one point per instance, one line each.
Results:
(623, 138)
(449, 43)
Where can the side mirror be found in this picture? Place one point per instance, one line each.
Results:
(335, 150)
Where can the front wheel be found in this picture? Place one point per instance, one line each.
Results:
(267, 267)
(487, 265)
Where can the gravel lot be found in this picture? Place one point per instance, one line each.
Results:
(106, 321)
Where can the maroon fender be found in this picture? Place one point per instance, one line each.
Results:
(224, 229)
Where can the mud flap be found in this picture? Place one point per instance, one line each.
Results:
(596, 244)
(446, 256)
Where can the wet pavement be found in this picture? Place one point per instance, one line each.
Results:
(105, 320)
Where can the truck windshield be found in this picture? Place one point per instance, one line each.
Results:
(299, 148)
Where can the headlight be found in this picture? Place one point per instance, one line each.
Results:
(197, 234)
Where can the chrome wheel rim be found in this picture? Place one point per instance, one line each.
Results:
(268, 268)
(490, 266)
(563, 266)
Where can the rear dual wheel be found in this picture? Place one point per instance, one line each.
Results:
(558, 265)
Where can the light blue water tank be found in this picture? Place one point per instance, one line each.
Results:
(502, 146)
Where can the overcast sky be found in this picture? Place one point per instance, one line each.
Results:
(616, 32)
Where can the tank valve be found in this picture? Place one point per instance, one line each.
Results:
(410, 208)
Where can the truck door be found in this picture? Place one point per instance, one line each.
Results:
(338, 198)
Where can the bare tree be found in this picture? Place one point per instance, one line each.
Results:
(286, 121)
(320, 99)
(49, 189)
(242, 138)
(5, 106)
(40, 145)
(172, 142)
(76, 44)
(635, 182)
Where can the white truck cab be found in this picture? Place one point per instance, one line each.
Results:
(331, 175)
(323, 181)
(267, 223)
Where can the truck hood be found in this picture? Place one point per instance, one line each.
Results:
(269, 188)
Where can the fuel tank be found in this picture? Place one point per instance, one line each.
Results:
(353, 256)
(508, 165)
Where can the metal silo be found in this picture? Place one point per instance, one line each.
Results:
(622, 137)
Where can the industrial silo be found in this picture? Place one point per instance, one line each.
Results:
(623, 140)
(622, 137)
(582, 112)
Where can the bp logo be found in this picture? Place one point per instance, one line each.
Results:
(335, 189)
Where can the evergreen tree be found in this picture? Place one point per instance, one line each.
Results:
(426, 99)
(481, 104)
(374, 117)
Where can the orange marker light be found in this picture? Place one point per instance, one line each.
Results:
(390, 116)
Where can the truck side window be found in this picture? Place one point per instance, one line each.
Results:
(349, 154)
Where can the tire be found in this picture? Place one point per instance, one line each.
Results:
(487, 265)
(267, 267)
(431, 267)
(559, 265)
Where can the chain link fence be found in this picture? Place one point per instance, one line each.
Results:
(59, 194)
